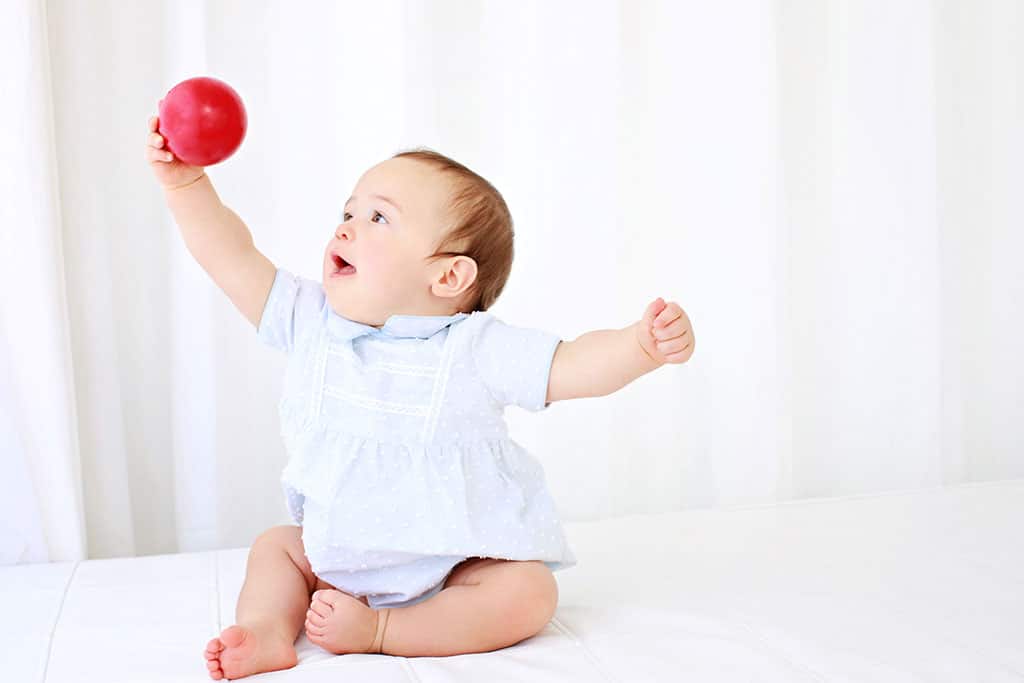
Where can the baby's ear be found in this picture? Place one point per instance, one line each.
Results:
(458, 275)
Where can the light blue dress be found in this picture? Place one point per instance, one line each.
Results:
(400, 463)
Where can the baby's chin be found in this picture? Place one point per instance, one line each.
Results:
(355, 314)
(374, 318)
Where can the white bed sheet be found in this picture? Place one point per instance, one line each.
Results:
(923, 585)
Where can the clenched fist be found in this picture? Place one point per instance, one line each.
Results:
(665, 333)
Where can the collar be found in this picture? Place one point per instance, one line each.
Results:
(395, 327)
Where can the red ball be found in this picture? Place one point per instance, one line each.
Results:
(203, 121)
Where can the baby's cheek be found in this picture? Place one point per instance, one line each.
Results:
(399, 268)
(374, 265)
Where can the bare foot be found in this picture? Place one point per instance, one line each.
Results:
(340, 623)
(240, 651)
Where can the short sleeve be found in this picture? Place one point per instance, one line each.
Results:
(294, 307)
(514, 363)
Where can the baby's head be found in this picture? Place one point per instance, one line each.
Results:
(422, 235)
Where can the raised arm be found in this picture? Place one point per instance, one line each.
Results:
(213, 233)
(603, 361)
(223, 246)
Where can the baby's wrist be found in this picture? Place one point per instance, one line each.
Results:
(646, 357)
(187, 184)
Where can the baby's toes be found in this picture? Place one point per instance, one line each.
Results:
(212, 654)
(216, 673)
(315, 624)
(321, 609)
(317, 637)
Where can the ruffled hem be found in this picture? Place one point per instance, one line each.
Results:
(375, 503)
(403, 551)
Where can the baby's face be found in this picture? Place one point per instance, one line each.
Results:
(392, 222)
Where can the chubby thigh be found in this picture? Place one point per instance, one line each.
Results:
(289, 538)
(390, 585)
(407, 580)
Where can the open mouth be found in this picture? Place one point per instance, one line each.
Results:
(341, 266)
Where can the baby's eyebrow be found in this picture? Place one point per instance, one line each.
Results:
(378, 196)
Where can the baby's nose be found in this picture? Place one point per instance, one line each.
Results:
(344, 232)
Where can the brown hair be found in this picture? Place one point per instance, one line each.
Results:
(482, 226)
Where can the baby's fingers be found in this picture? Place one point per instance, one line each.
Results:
(672, 345)
(154, 154)
(668, 314)
(673, 329)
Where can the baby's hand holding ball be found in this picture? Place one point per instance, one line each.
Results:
(201, 121)
(170, 172)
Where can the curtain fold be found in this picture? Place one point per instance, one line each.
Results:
(829, 189)
(40, 466)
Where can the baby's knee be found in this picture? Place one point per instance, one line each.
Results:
(288, 539)
(531, 595)
(283, 536)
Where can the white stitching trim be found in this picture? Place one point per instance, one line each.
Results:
(406, 369)
(392, 368)
(439, 387)
(321, 373)
(376, 404)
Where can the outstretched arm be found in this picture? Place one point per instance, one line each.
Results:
(223, 246)
(603, 361)
(214, 234)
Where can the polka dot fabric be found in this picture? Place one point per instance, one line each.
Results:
(400, 463)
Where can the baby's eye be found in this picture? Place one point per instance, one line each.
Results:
(346, 216)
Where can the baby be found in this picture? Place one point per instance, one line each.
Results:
(421, 528)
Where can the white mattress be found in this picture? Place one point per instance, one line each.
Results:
(905, 586)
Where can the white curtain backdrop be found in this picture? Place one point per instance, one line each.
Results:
(831, 190)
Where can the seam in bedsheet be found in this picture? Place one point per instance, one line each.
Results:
(759, 636)
(828, 500)
(929, 628)
(60, 610)
(595, 662)
(216, 587)
(332, 663)
(407, 668)
(825, 500)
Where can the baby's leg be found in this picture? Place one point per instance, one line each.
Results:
(271, 608)
(486, 604)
